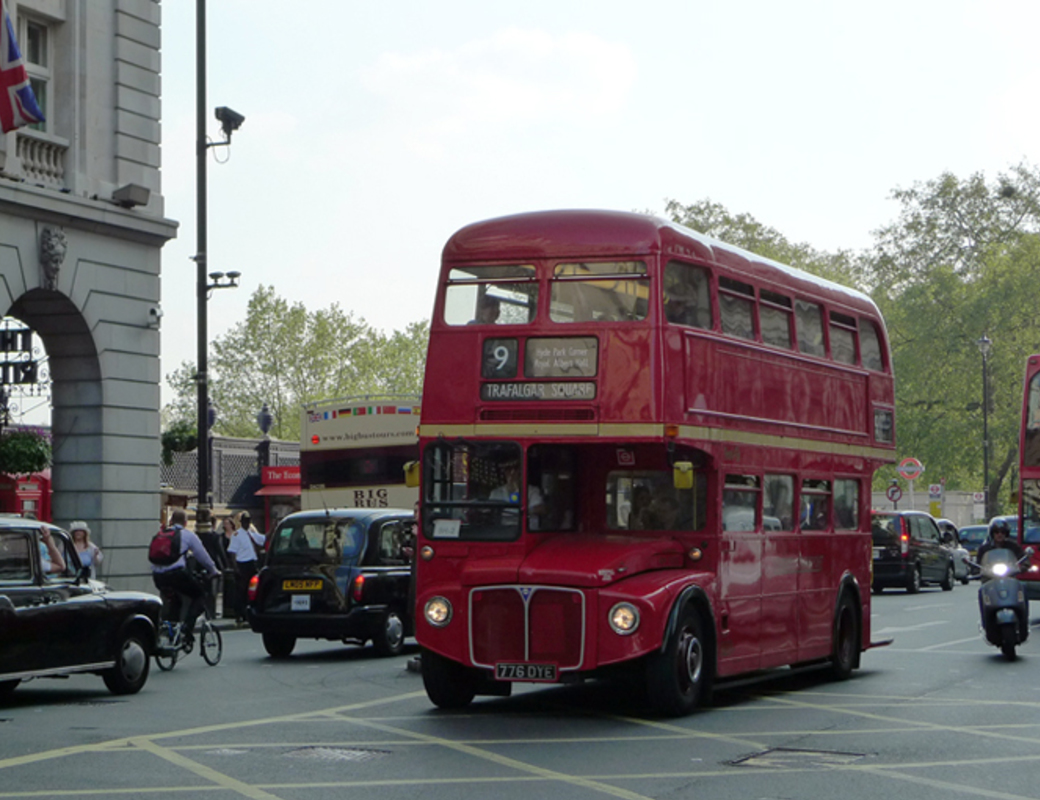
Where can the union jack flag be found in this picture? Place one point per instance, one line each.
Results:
(18, 105)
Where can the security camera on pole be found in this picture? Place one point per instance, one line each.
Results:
(911, 469)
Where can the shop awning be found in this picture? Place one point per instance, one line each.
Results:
(280, 491)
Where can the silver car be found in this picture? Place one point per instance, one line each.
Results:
(952, 541)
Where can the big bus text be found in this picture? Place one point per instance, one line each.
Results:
(353, 452)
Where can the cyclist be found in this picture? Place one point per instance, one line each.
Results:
(177, 580)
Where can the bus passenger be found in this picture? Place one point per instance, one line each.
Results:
(637, 516)
(487, 311)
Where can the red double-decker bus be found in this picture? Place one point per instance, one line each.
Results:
(1028, 531)
(643, 451)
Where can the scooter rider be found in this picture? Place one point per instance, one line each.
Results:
(1000, 538)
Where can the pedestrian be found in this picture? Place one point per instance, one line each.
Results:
(90, 555)
(243, 546)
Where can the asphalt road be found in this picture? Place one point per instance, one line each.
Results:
(938, 714)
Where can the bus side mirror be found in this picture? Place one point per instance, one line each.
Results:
(682, 474)
(411, 474)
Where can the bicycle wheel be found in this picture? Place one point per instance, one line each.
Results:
(211, 644)
(165, 651)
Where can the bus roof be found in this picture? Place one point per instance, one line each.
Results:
(592, 234)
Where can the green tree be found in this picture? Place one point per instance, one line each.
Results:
(959, 262)
(743, 230)
(24, 451)
(285, 356)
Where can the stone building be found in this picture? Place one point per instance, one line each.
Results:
(81, 229)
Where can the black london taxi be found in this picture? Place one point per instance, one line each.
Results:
(340, 574)
(56, 621)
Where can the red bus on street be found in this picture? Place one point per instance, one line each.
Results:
(1028, 532)
(646, 452)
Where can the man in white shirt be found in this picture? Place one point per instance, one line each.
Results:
(245, 545)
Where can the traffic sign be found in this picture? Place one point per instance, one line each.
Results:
(910, 468)
(893, 493)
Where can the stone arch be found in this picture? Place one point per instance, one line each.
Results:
(76, 402)
(85, 279)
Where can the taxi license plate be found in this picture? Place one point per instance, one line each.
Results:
(301, 586)
(877, 552)
(526, 672)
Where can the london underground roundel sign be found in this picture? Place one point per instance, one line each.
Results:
(910, 468)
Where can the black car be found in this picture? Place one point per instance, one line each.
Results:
(342, 574)
(909, 551)
(55, 622)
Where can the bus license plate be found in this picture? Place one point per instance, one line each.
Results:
(301, 586)
(525, 672)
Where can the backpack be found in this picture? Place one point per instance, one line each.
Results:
(165, 548)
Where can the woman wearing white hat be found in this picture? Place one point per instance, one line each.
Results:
(88, 552)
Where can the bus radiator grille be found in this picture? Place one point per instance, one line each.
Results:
(547, 628)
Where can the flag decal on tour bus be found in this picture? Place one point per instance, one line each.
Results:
(18, 105)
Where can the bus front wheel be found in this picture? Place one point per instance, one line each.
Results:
(679, 676)
(448, 684)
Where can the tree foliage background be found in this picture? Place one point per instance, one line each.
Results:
(284, 355)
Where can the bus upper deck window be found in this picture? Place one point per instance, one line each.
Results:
(809, 318)
(870, 345)
(491, 295)
(737, 308)
(687, 295)
(843, 338)
(774, 312)
(614, 291)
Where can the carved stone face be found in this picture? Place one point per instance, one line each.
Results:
(53, 246)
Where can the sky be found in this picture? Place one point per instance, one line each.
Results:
(373, 131)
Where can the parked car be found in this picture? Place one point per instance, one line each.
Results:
(55, 622)
(343, 574)
(908, 552)
(951, 539)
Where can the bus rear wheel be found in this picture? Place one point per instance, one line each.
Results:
(448, 683)
(846, 640)
(678, 678)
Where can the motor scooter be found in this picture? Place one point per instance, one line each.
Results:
(1003, 607)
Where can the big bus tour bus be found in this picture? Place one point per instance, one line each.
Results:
(1029, 477)
(646, 451)
(353, 452)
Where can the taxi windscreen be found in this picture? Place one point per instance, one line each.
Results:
(317, 539)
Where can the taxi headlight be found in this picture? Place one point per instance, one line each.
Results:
(437, 612)
(624, 618)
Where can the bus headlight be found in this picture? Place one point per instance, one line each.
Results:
(437, 612)
(624, 618)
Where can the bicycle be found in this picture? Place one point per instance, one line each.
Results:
(174, 642)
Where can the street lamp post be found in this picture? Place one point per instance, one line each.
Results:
(984, 345)
(205, 281)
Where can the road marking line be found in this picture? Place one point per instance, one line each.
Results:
(208, 773)
(127, 741)
(505, 761)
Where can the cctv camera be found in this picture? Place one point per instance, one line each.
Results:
(155, 312)
(229, 120)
